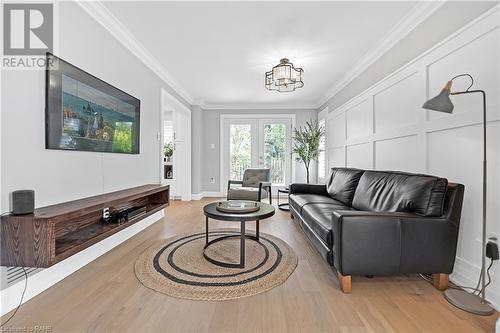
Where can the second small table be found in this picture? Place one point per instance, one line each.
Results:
(283, 206)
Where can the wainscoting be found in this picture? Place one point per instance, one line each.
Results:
(386, 128)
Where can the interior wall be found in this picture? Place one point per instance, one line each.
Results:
(210, 134)
(385, 128)
(58, 176)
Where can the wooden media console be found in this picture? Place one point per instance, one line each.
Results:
(54, 233)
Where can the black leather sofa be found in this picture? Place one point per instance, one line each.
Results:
(381, 223)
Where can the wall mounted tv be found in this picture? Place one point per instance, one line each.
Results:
(85, 113)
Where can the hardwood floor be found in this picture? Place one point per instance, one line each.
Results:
(106, 296)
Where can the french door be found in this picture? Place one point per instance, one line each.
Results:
(257, 143)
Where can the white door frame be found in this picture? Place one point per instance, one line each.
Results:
(223, 152)
(169, 102)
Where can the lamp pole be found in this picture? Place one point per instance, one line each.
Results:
(485, 177)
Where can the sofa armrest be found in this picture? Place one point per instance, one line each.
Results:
(390, 243)
(308, 188)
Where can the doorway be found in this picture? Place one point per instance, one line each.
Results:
(256, 141)
(175, 146)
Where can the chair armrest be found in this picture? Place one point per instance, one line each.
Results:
(233, 182)
(308, 188)
(265, 184)
(391, 243)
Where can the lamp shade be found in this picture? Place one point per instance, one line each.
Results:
(441, 102)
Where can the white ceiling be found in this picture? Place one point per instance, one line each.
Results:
(218, 52)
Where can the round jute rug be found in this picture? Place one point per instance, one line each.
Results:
(176, 266)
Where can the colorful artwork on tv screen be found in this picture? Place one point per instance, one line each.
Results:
(89, 115)
(93, 115)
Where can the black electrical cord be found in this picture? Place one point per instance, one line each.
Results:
(489, 277)
(475, 291)
(21, 301)
(452, 285)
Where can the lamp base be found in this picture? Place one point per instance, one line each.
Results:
(468, 302)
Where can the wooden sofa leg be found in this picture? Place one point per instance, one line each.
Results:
(440, 281)
(345, 283)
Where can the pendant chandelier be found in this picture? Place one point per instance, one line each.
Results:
(284, 77)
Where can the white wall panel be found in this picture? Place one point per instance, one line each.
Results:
(479, 58)
(359, 156)
(336, 157)
(464, 167)
(336, 134)
(398, 105)
(407, 139)
(397, 154)
(358, 120)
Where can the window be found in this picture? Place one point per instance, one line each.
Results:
(322, 155)
(168, 131)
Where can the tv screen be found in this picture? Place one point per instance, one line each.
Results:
(86, 113)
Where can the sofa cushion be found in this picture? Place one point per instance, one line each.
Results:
(299, 200)
(342, 184)
(319, 218)
(381, 191)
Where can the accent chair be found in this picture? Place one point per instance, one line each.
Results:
(255, 186)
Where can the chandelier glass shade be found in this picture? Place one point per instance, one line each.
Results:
(284, 77)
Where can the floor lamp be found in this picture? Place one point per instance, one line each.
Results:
(460, 298)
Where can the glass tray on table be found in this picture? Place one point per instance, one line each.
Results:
(238, 206)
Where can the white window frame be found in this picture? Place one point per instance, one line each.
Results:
(322, 117)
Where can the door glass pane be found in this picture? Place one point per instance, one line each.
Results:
(322, 155)
(274, 151)
(240, 150)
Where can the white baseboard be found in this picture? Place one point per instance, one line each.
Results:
(47, 277)
(466, 274)
(199, 196)
(212, 194)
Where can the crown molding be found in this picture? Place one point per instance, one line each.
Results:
(249, 106)
(418, 14)
(104, 17)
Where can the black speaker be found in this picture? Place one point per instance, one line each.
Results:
(23, 202)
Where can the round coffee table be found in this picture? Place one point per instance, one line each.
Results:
(211, 211)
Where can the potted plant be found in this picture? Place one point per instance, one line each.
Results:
(306, 143)
(168, 151)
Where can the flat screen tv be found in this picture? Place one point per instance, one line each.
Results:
(85, 113)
